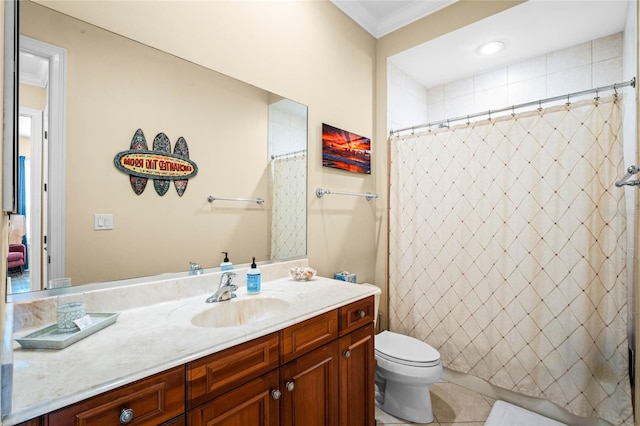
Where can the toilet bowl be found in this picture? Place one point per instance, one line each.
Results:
(406, 369)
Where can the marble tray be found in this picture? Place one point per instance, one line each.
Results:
(50, 338)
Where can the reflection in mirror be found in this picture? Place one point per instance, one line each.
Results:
(288, 154)
(236, 134)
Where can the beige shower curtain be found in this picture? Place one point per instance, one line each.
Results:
(507, 252)
(289, 212)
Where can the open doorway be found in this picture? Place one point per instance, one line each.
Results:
(41, 168)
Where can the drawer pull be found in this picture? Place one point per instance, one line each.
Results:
(361, 314)
(290, 386)
(276, 394)
(346, 353)
(126, 416)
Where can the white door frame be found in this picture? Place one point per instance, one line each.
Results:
(55, 178)
(35, 251)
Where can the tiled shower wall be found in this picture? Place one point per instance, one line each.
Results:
(584, 66)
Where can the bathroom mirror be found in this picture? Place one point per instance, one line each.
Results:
(247, 143)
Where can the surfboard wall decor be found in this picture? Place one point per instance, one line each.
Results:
(158, 164)
(161, 144)
(138, 184)
(182, 149)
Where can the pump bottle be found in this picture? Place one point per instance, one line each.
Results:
(253, 279)
(226, 265)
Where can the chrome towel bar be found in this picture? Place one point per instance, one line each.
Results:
(320, 192)
(258, 200)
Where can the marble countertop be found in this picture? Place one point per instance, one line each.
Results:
(151, 339)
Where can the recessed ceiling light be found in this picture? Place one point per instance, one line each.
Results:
(490, 48)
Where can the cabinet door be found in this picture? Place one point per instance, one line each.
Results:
(310, 388)
(252, 404)
(357, 378)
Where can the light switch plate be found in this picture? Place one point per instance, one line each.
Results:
(102, 222)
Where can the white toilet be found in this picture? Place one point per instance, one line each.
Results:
(407, 367)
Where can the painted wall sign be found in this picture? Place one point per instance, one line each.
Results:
(158, 164)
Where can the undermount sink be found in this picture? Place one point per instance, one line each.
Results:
(245, 309)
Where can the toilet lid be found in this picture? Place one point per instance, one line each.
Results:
(405, 349)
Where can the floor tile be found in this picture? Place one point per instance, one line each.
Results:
(384, 419)
(454, 404)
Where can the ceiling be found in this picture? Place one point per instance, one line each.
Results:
(533, 28)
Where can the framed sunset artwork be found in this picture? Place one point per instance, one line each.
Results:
(345, 150)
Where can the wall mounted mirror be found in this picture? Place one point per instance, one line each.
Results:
(84, 93)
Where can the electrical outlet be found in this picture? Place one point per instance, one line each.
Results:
(102, 222)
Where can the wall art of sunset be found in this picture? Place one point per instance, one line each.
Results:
(345, 150)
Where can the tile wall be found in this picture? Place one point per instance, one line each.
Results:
(592, 64)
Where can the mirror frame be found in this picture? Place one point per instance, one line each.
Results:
(10, 107)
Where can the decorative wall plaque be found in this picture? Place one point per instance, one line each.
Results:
(158, 164)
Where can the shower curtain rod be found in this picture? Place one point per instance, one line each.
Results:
(289, 154)
(446, 122)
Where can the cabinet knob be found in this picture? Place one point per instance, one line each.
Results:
(290, 386)
(126, 416)
(346, 353)
(361, 314)
(276, 394)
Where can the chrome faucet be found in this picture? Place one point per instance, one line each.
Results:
(194, 269)
(225, 290)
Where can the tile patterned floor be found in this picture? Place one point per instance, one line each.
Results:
(453, 405)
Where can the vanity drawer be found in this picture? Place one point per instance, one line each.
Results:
(305, 336)
(153, 400)
(213, 375)
(356, 314)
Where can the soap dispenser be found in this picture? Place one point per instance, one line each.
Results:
(253, 278)
(226, 265)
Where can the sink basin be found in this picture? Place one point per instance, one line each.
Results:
(245, 309)
(239, 312)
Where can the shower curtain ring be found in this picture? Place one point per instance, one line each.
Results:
(468, 121)
(489, 114)
(540, 105)
(513, 110)
(615, 89)
(568, 100)
(597, 98)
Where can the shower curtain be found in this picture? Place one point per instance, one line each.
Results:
(508, 249)
(289, 214)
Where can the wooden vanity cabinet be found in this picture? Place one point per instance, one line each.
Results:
(333, 384)
(319, 372)
(325, 376)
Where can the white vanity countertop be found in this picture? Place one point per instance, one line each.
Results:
(151, 339)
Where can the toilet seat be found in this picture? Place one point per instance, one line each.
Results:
(405, 350)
